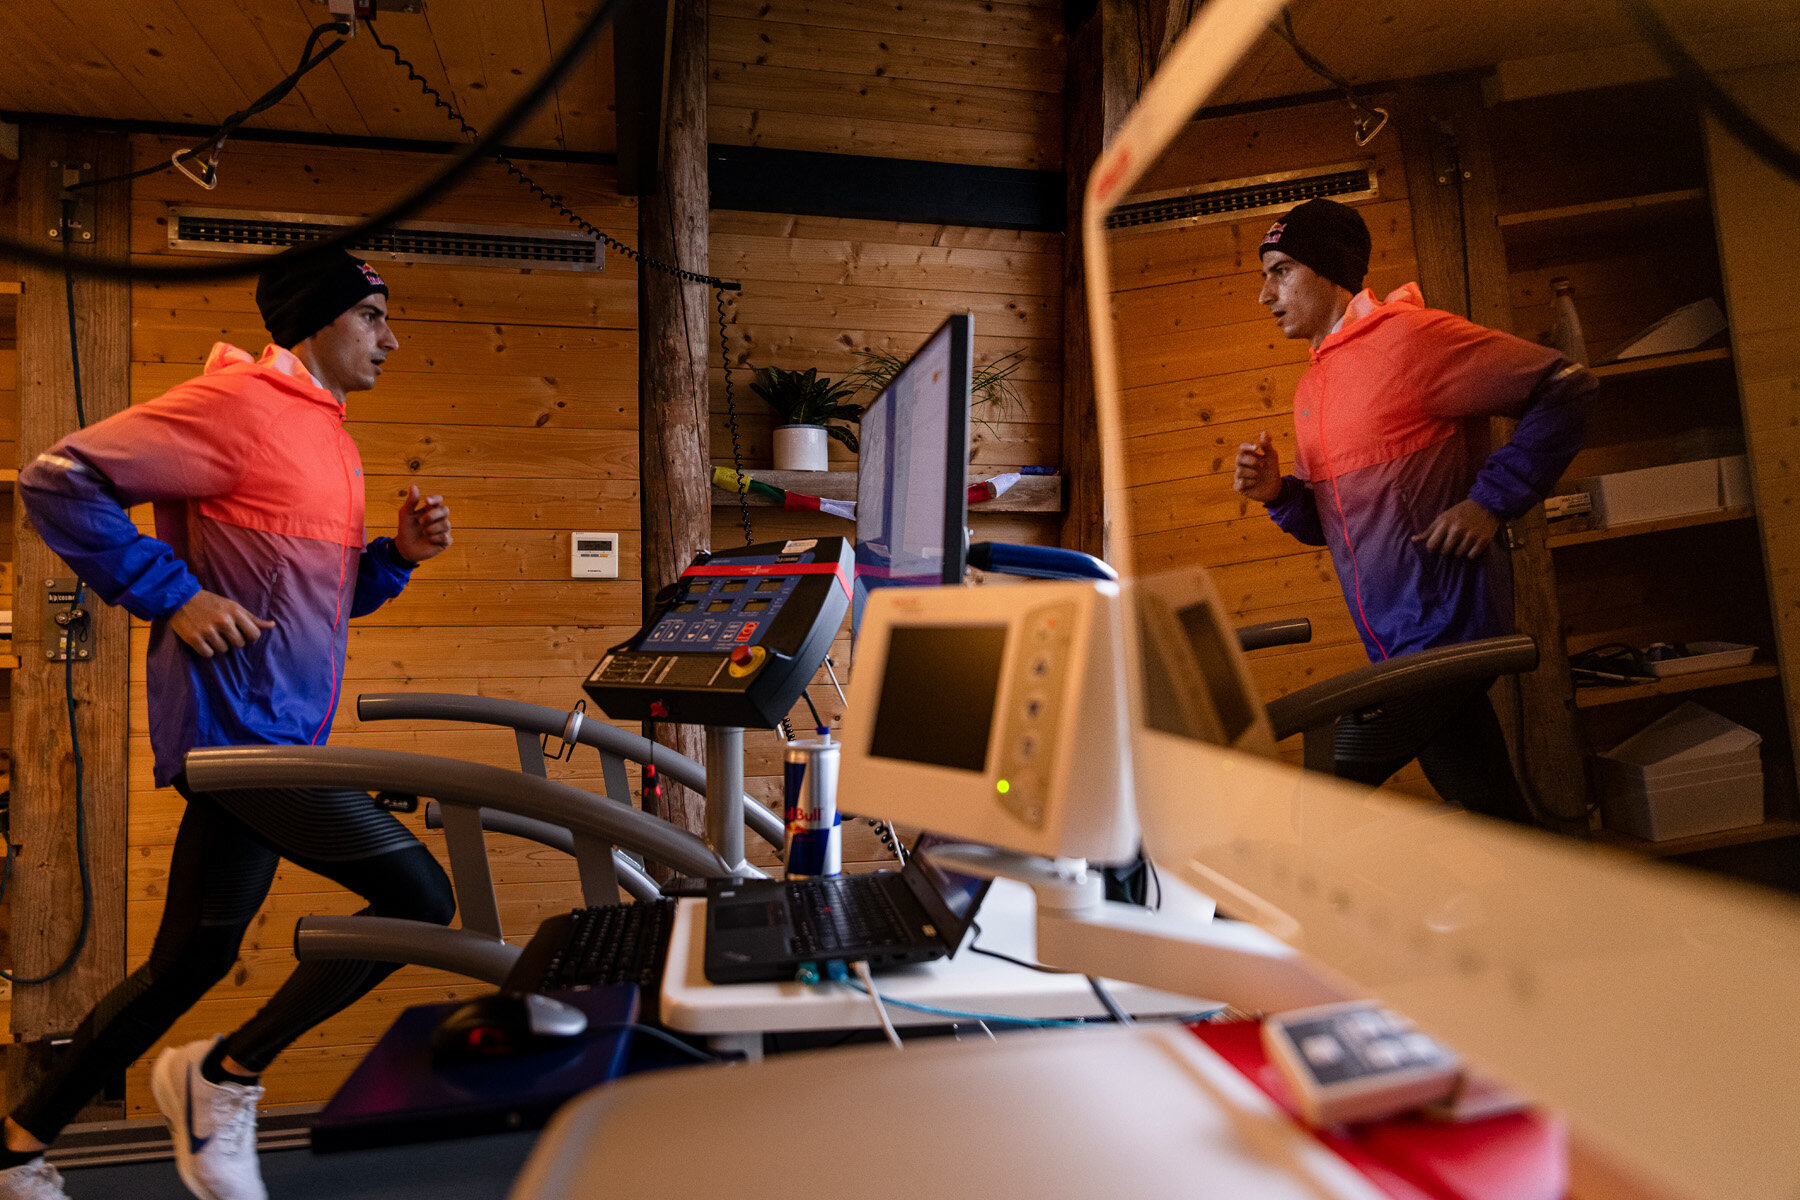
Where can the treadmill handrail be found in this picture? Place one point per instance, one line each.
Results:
(455, 782)
(631, 876)
(553, 722)
(1289, 631)
(1365, 687)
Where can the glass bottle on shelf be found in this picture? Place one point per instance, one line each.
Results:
(1565, 327)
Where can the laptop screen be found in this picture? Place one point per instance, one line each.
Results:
(953, 897)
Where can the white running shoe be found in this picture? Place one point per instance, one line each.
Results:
(35, 1180)
(213, 1126)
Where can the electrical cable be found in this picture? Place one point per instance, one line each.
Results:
(1366, 125)
(956, 1015)
(230, 124)
(868, 981)
(425, 193)
(1119, 1015)
(81, 857)
(1757, 137)
(975, 934)
(731, 423)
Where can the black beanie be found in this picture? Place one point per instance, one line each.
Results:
(1328, 237)
(300, 296)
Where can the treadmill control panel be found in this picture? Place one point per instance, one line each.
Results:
(735, 640)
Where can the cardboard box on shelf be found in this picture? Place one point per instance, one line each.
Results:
(1684, 329)
(1692, 772)
(1675, 490)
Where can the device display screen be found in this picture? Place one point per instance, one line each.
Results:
(1205, 634)
(937, 694)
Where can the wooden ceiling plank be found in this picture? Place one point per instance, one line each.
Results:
(391, 104)
(849, 51)
(149, 57)
(45, 34)
(515, 49)
(942, 19)
(456, 30)
(319, 103)
(585, 99)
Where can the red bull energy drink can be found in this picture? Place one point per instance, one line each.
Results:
(809, 791)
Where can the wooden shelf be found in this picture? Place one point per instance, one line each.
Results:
(1714, 517)
(9, 474)
(1595, 697)
(8, 661)
(1662, 362)
(1605, 215)
(1032, 494)
(1767, 831)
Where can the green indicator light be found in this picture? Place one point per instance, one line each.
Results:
(1002, 787)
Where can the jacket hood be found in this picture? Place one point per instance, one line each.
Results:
(1365, 312)
(279, 367)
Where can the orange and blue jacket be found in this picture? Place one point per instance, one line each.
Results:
(1390, 430)
(257, 491)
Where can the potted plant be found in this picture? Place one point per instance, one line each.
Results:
(991, 387)
(807, 410)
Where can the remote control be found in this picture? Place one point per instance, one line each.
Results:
(1357, 1061)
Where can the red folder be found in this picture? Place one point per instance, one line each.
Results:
(1518, 1156)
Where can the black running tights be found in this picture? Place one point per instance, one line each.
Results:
(224, 860)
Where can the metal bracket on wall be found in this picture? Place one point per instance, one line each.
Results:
(72, 210)
(68, 623)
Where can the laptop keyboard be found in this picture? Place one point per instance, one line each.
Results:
(612, 943)
(834, 913)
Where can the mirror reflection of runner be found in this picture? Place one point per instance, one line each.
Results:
(1392, 473)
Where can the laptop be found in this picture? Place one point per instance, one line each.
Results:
(763, 930)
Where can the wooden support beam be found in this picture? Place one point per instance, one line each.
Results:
(1105, 71)
(675, 475)
(1462, 268)
(47, 904)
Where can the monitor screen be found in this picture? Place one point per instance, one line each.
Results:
(960, 666)
(913, 470)
(994, 715)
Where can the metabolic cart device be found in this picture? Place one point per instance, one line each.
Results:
(730, 645)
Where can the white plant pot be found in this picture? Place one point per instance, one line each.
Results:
(801, 448)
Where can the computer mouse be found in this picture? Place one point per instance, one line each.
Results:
(503, 1023)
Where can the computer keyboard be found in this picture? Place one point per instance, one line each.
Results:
(842, 913)
(611, 943)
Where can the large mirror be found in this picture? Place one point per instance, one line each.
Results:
(1524, 143)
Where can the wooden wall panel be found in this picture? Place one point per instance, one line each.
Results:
(1204, 368)
(943, 81)
(513, 393)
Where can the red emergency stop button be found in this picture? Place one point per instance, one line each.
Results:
(745, 660)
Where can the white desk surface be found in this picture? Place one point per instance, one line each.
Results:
(1147, 1111)
(969, 982)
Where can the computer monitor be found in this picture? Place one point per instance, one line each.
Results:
(912, 477)
(993, 714)
(1650, 1005)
